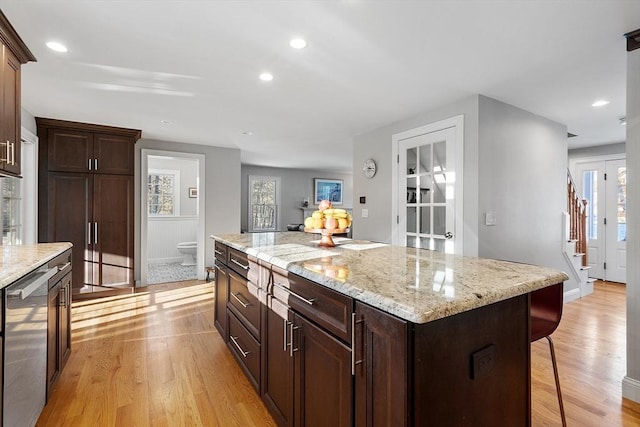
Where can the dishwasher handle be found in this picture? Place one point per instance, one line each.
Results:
(36, 282)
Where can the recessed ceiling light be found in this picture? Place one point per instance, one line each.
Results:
(165, 122)
(623, 121)
(58, 47)
(247, 132)
(600, 103)
(298, 43)
(266, 77)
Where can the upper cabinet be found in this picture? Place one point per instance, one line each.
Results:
(14, 54)
(85, 148)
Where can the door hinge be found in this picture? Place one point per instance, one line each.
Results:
(605, 265)
(605, 221)
(605, 176)
(397, 219)
(398, 158)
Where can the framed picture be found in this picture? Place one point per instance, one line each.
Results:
(327, 189)
(193, 192)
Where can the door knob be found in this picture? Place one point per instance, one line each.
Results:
(448, 235)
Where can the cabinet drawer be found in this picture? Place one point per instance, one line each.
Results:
(63, 263)
(321, 305)
(220, 250)
(245, 348)
(244, 296)
(238, 262)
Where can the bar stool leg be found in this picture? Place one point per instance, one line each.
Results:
(557, 377)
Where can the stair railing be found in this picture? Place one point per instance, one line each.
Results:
(577, 208)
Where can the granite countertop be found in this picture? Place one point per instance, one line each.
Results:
(414, 284)
(16, 261)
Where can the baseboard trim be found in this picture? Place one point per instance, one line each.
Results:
(571, 295)
(631, 389)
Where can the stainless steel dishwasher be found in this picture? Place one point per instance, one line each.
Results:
(25, 348)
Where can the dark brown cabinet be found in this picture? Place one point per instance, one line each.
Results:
(86, 186)
(59, 319)
(221, 290)
(381, 374)
(322, 377)
(14, 54)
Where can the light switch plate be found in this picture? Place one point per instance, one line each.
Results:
(490, 218)
(365, 213)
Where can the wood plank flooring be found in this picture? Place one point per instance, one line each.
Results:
(155, 359)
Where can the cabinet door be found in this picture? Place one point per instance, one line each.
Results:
(277, 363)
(380, 346)
(221, 297)
(64, 339)
(323, 386)
(11, 112)
(113, 154)
(113, 230)
(70, 150)
(70, 216)
(53, 328)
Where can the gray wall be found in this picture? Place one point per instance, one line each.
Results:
(378, 146)
(631, 383)
(222, 198)
(188, 179)
(296, 184)
(522, 176)
(28, 121)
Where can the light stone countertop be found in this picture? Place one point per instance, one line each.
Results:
(414, 284)
(17, 261)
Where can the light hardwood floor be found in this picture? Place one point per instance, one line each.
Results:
(155, 359)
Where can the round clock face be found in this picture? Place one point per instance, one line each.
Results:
(369, 168)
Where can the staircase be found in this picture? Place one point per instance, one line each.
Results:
(575, 242)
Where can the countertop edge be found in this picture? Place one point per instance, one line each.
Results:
(30, 263)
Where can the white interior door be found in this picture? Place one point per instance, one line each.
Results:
(616, 221)
(426, 196)
(590, 182)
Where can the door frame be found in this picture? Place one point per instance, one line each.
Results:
(573, 168)
(144, 216)
(456, 122)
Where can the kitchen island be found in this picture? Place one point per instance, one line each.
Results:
(375, 334)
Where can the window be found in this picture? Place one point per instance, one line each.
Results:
(264, 203)
(163, 193)
(11, 226)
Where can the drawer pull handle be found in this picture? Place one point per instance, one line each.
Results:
(64, 266)
(235, 296)
(354, 362)
(239, 264)
(244, 353)
(217, 252)
(309, 301)
(285, 323)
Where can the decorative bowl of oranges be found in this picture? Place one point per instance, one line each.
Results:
(327, 221)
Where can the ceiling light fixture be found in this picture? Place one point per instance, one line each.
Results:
(600, 103)
(247, 132)
(165, 122)
(623, 121)
(266, 77)
(298, 43)
(58, 47)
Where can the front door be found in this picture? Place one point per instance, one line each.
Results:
(616, 221)
(428, 187)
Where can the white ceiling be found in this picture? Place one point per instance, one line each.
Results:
(368, 64)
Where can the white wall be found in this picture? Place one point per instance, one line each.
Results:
(597, 151)
(377, 145)
(28, 121)
(296, 184)
(222, 197)
(164, 234)
(631, 383)
(522, 177)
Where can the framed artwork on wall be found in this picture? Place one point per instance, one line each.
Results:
(327, 189)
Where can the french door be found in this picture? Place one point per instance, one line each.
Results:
(604, 185)
(427, 188)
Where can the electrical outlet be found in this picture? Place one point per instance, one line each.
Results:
(490, 218)
(482, 362)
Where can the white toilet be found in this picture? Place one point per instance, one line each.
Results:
(188, 251)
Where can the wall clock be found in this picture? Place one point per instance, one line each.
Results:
(369, 168)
